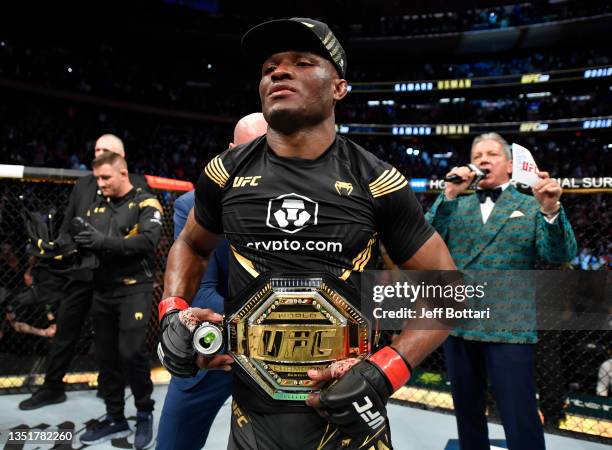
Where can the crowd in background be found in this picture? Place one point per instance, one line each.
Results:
(364, 18)
(457, 108)
(62, 134)
(472, 19)
(55, 128)
(109, 71)
(477, 66)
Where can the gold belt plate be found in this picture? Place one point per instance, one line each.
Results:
(293, 324)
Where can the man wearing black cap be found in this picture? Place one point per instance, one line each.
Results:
(302, 199)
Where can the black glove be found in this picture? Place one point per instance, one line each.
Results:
(91, 238)
(175, 349)
(355, 403)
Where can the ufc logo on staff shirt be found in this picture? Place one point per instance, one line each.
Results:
(373, 419)
(291, 213)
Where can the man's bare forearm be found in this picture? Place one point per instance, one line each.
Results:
(185, 260)
(183, 271)
(415, 345)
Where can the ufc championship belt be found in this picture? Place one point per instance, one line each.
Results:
(286, 325)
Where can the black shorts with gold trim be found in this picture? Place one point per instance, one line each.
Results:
(296, 431)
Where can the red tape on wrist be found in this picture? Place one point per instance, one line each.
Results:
(170, 303)
(393, 366)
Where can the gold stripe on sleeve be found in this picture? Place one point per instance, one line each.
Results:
(397, 177)
(381, 178)
(395, 187)
(216, 172)
(153, 203)
(221, 168)
(208, 171)
(389, 181)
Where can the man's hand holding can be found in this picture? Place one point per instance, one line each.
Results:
(176, 351)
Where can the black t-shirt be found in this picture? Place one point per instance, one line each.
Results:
(292, 214)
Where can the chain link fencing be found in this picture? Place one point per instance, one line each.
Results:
(27, 325)
(569, 363)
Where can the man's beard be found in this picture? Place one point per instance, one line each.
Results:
(287, 121)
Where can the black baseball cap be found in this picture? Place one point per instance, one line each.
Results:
(297, 33)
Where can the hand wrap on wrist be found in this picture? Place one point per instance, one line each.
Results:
(170, 303)
(175, 348)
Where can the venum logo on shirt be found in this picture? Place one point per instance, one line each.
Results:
(291, 213)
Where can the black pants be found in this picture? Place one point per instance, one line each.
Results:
(510, 367)
(71, 316)
(120, 326)
(295, 431)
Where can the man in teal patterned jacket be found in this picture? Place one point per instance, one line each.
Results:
(498, 228)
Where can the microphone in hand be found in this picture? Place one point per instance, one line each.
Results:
(479, 175)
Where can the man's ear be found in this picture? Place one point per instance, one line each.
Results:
(509, 167)
(232, 145)
(340, 88)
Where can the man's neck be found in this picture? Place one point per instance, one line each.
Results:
(306, 143)
(125, 190)
(504, 185)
